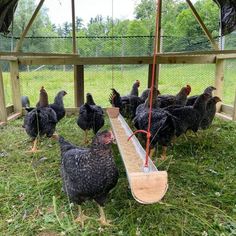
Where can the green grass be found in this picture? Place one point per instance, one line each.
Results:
(200, 199)
(98, 81)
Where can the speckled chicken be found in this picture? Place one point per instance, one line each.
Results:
(190, 100)
(41, 120)
(127, 104)
(58, 105)
(89, 173)
(210, 112)
(91, 116)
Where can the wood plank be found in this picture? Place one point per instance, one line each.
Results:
(79, 85)
(116, 60)
(74, 49)
(8, 58)
(3, 110)
(224, 116)
(203, 26)
(19, 43)
(219, 81)
(174, 54)
(15, 84)
(227, 109)
(14, 116)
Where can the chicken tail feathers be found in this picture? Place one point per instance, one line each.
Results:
(65, 145)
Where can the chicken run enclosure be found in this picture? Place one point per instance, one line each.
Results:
(110, 65)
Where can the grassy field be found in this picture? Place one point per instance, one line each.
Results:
(200, 199)
(98, 81)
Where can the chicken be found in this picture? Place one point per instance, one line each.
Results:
(41, 120)
(162, 128)
(89, 173)
(210, 112)
(145, 93)
(189, 117)
(58, 105)
(127, 104)
(179, 99)
(25, 102)
(91, 116)
(190, 100)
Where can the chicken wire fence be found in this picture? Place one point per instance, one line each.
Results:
(99, 80)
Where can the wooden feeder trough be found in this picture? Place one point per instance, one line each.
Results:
(146, 187)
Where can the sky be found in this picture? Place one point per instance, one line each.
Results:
(59, 11)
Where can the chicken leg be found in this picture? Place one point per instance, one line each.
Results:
(163, 155)
(81, 217)
(86, 137)
(34, 147)
(151, 152)
(102, 218)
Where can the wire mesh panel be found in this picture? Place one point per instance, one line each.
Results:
(229, 81)
(173, 77)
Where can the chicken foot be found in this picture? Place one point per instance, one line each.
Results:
(102, 218)
(81, 217)
(34, 147)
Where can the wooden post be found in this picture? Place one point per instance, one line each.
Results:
(203, 26)
(15, 84)
(3, 110)
(150, 75)
(234, 110)
(19, 43)
(73, 26)
(79, 85)
(219, 80)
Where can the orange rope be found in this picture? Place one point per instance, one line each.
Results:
(148, 133)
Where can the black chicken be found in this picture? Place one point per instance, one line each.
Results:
(162, 125)
(58, 105)
(210, 112)
(179, 99)
(189, 117)
(91, 116)
(25, 102)
(41, 120)
(89, 173)
(190, 100)
(127, 104)
(145, 93)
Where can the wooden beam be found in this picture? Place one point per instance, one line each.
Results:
(150, 76)
(19, 43)
(219, 81)
(14, 116)
(3, 110)
(73, 27)
(203, 26)
(224, 116)
(77, 60)
(15, 84)
(79, 85)
(227, 109)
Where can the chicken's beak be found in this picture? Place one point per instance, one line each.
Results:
(113, 139)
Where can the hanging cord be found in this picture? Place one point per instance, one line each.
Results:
(148, 133)
(112, 42)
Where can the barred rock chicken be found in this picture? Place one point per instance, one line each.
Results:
(189, 117)
(25, 102)
(91, 116)
(210, 112)
(179, 99)
(128, 103)
(190, 100)
(41, 120)
(145, 93)
(58, 105)
(89, 173)
(162, 125)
